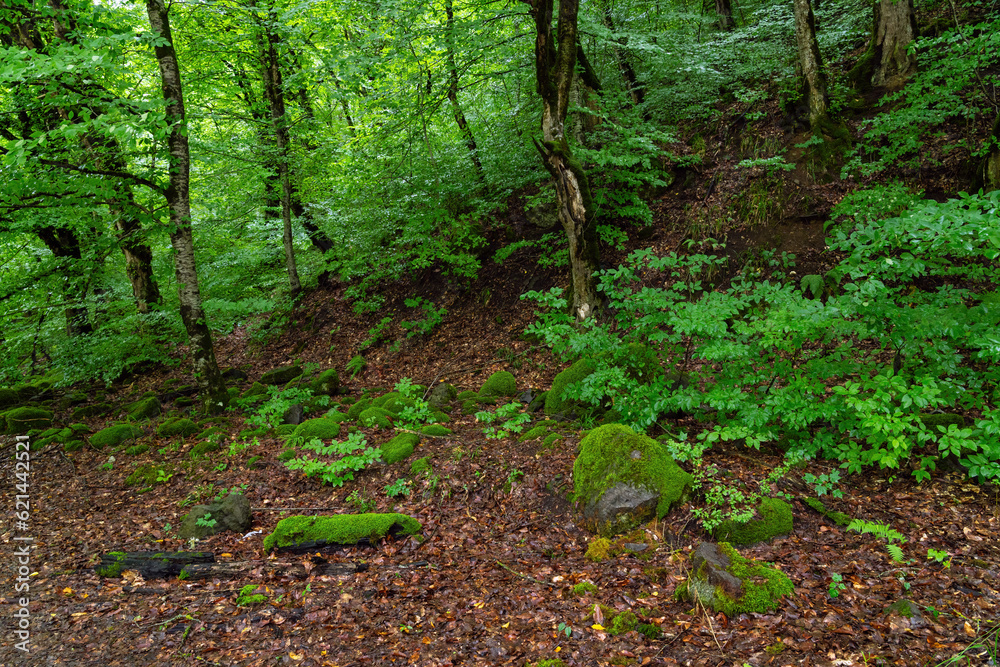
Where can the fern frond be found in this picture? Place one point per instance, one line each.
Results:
(895, 551)
(880, 530)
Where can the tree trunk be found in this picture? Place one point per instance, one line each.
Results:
(555, 64)
(724, 10)
(456, 108)
(810, 62)
(274, 90)
(206, 370)
(895, 29)
(64, 244)
(635, 92)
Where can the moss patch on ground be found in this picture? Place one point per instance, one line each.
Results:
(339, 529)
(323, 428)
(400, 447)
(501, 383)
(554, 402)
(177, 426)
(375, 417)
(774, 517)
(113, 436)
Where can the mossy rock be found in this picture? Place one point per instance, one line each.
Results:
(486, 400)
(336, 416)
(9, 397)
(144, 475)
(177, 426)
(535, 433)
(212, 432)
(774, 518)
(375, 417)
(137, 450)
(839, 518)
(184, 402)
(95, 410)
(146, 408)
(396, 404)
(282, 375)
(21, 420)
(73, 398)
(470, 406)
(439, 417)
(441, 396)
(399, 448)
(435, 429)
(256, 389)
(466, 395)
(73, 446)
(283, 430)
(358, 407)
(622, 479)
(79, 428)
(579, 371)
(501, 383)
(326, 383)
(551, 439)
(345, 529)
(321, 427)
(726, 582)
(421, 466)
(113, 436)
(203, 449)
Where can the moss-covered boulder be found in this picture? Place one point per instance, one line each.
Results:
(439, 417)
(622, 479)
(554, 402)
(726, 582)
(501, 383)
(336, 416)
(343, 529)
(421, 466)
(396, 403)
(281, 375)
(321, 427)
(774, 518)
(113, 436)
(95, 410)
(358, 407)
(146, 408)
(9, 397)
(326, 383)
(22, 420)
(436, 430)
(470, 406)
(466, 395)
(203, 449)
(177, 427)
(374, 417)
(441, 396)
(256, 389)
(400, 447)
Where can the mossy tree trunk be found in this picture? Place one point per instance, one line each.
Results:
(810, 63)
(206, 370)
(895, 28)
(724, 10)
(555, 65)
(64, 244)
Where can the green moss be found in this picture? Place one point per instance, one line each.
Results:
(357, 408)
(283, 430)
(203, 449)
(613, 454)
(839, 518)
(9, 397)
(466, 395)
(146, 408)
(112, 569)
(554, 403)
(439, 417)
(470, 406)
(375, 417)
(534, 434)
(334, 415)
(584, 588)
(649, 630)
(92, 411)
(549, 662)
(943, 419)
(435, 429)
(73, 446)
(323, 428)
(623, 622)
(113, 436)
(339, 529)
(421, 466)
(501, 383)
(600, 549)
(396, 404)
(177, 426)
(774, 517)
(550, 440)
(138, 450)
(143, 476)
(326, 383)
(400, 447)
(20, 420)
(256, 389)
(282, 375)
(252, 462)
(763, 587)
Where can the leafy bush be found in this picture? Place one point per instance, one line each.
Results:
(344, 459)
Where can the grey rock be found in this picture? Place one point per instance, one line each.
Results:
(281, 375)
(233, 514)
(293, 415)
(441, 396)
(622, 507)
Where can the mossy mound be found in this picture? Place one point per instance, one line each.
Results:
(421, 466)
(145, 475)
(326, 383)
(22, 420)
(95, 410)
(726, 582)
(177, 426)
(466, 395)
(137, 450)
(256, 389)
(283, 430)
(578, 372)
(470, 406)
(203, 449)
(535, 433)
(146, 408)
(435, 429)
(375, 417)
(396, 403)
(400, 447)
(321, 427)
(113, 436)
(282, 375)
(9, 397)
(335, 416)
(340, 529)
(357, 408)
(73, 446)
(440, 417)
(774, 517)
(839, 518)
(501, 383)
(622, 479)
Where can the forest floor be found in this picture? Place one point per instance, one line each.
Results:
(489, 581)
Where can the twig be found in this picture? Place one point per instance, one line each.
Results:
(525, 576)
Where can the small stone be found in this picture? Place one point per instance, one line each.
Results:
(635, 547)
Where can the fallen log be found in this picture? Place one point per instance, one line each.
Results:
(200, 565)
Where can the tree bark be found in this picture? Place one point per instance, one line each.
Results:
(810, 63)
(274, 90)
(895, 29)
(635, 92)
(456, 108)
(206, 370)
(724, 10)
(64, 244)
(555, 64)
